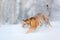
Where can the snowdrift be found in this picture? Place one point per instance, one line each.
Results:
(16, 32)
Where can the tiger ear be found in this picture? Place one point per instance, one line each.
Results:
(23, 20)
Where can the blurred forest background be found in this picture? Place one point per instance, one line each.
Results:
(13, 11)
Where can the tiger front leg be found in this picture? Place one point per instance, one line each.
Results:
(31, 29)
(23, 24)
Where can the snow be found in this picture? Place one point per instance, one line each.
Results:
(16, 32)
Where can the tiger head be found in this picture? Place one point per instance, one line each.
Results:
(28, 20)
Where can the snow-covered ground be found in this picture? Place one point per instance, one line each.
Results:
(16, 32)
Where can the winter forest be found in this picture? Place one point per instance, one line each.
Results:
(13, 11)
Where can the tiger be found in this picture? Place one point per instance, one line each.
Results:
(36, 20)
